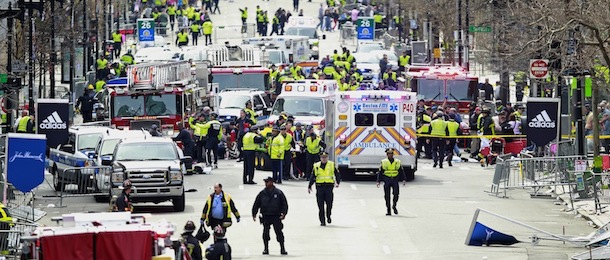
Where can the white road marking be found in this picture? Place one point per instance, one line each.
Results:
(373, 223)
(241, 187)
(386, 249)
(354, 187)
(362, 202)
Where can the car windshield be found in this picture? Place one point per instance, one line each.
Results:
(234, 101)
(299, 106)
(391, 56)
(88, 141)
(275, 57)
(428, 89)
(128, 106)
(249, 80)
(160, 105)
(108, 146)
(300, 31)
(146, 152)
(461, 90)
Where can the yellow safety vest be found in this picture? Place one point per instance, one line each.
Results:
(199, 130)
(325, 175)
(183, 37)
(378, 18)
(227, 201)
(207, 28)
(117, 37)
(206, 127)
(425, 127)
(99, 85)
(197, 16)
(244, 14)
(248, 141)
(343, 86)
(171, 10)
(438, 127)
(102, 63)
(404, 60)
(313, 146)
(276, 149)
(23, 124)
(390, 169)
(127, 59)
(287, 142)
(252, 115)
(453, 128)
(195, 28)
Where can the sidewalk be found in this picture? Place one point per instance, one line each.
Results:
(585, 207)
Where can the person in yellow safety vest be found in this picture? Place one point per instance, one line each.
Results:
(391, 172)
(250, 112)
(6, 222)
(313, 146)
(403, 61)
(487, 128)
(273, 73)
(159, 3)
(182, 38)
(199, 136)
(101, 67)
(276, 153)
(218, 208)
(329, 69)
(117, 39)
(378, 18)
(207, 31)
(288, 144)
(438, 129)
(390, 78)
(156, 14)
(214, 135)
(26, 124)
(275, 25)
(265, 23)
(171, 12)
(453, 130)
(295, 70)
(326, 177)
(99, 85)
(423, 127)
(190, 13)
(260, 19)
(251, 141)
(348, 57)
(335, 55)
(197, 16)
(330, 3)
(195, 32)
(343, 86)
(127, 58)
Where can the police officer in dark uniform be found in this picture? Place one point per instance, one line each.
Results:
(220, 250)
(273, 207)
(390, 172)
(123, 202)
(251, 141)
(191, 243)
(188, 145)
(324, 175)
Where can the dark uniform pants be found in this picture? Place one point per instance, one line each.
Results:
(211, 148)
(213, 222)
(324, 195)
(449, 148)
(248, 165)
(276, 168)
(287, 164)
(310, 160)
(393, 184)
(277, 224)
(200, 148)
(425, 146)
(438, 150)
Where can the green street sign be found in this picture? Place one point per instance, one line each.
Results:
(3, 78)
(485, 29)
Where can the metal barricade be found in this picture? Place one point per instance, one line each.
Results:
(85, 181)
(10, 236)
(560, 148)
(348, 35)
(533, 172)
(233, 33)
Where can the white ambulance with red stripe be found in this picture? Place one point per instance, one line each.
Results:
(363, 124)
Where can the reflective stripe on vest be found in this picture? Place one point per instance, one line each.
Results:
(227, 198)
(390, 169)
(438, 127)
(276, 149)
(313, 146)
(325, 175)
(248, 141)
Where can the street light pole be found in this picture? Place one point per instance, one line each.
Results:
(53, 53)
(459, 32)
(31, 59)
(85, 40)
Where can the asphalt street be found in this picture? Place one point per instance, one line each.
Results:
(435, 212)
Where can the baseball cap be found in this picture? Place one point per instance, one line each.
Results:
(324, 154)
(275, 128)
(269, 178)
(389, 150)
(283, 127)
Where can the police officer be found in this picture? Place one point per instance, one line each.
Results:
(123, 202)
(313, 146)
(250, 113)
(391, 172)
(101, 67)
(273, 207)
(487, 127)
(403, 61)
(453, 128)
(191, 243)
(171, 12)
(276, 152)
(220, 250)
(6, 222)
(438, 129)
(195, 32)
(117, 38)
(288, 144)
(250, 142)
(197, 126)
(127, 58)
(207, 31)
(218, 208)
(182, 38)
(26, 124)
(325, 175)
(187, 146)
(423, 127)
(85, 104)
(214, 135)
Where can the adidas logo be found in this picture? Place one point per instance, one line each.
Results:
(53, 121)
(542, 120)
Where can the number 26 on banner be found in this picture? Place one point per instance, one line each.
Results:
(408, 108)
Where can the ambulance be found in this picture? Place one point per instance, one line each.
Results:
(306, 100)
(362, 124)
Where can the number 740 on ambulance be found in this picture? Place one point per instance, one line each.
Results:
(363, 124)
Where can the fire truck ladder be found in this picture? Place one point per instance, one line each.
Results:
(156, 75)
(238, 55)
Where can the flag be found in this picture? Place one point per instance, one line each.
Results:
(483, 235)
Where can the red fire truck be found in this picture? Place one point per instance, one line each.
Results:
(435, 83)
(155, 93)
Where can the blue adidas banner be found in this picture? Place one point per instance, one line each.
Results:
(484, 235)
(25, 160)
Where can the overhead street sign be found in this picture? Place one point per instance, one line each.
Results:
(484, 29)
(18, 66)
(539, 69)
(365, 28)
(146, 30)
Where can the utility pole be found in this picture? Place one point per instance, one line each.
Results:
(580, 127)
(467, 34)
(53, 52)
(85, 40)
(31, 59)
(459, 33)
(72, 48)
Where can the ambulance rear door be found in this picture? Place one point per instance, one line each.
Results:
(406, 129)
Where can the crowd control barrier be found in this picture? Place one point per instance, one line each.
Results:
(88, 181)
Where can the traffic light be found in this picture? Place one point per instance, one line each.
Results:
(12, 83)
